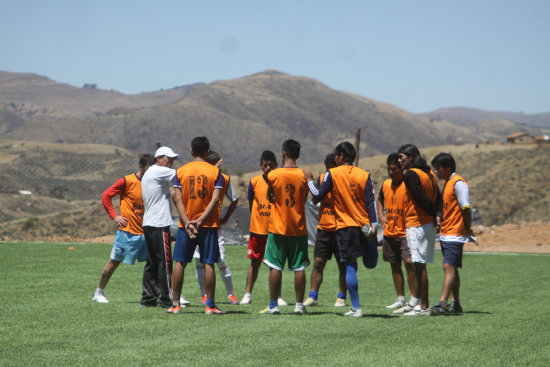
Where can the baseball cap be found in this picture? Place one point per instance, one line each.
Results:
(165, 151)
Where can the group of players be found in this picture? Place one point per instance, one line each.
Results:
(409, 207)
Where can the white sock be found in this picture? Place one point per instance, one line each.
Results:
(401, 299)
(225, 273)
(98, 290)
(413, 301)
(199, 271)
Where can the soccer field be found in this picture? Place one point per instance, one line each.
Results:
(48, 318)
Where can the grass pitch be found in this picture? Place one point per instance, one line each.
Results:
(47, 317)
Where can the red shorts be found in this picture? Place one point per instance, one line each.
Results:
(256, 246)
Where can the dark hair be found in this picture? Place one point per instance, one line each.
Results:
(213, 157)
(200, 145)
(410, 150)
(268, 155)
(292, 149)
(147, 160)
(330, 161)
(444, 160)
(392, 159)
(347, 149)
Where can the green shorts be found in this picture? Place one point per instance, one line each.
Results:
(280, 248)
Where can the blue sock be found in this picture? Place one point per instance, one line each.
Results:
(314, 295)
(341, 295)
(273, 303)
(210, 302)
(353, 285)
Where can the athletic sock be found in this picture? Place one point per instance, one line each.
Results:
(199, 271)
(225, 273)
(314, 295)
(341, 295)
(353, 285)
(98, 290)
(299, 304)
(210, 302)
(413, 301)
(401, 299)
(273, 303)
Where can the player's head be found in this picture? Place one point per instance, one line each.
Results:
(330, 161)
(345, 153)
(394, 168)
(146, 161)
(268, 161)
(165, 157)
(409, 157)
(213, 157)
(200, 146)
(291, 149)
(444, 165)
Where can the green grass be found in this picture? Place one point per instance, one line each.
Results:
(47, 317)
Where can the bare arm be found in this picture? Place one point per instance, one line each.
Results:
(209, 209)
(230, 211)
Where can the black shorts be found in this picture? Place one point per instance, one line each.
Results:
(351, 242)
(395, 249)
(326, 245)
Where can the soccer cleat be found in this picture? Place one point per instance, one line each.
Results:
(406, 308)
(99, 297)
(454, 308)
(354, 313)
(310, 302)
(203, 300)
(440, 308)
(299, 310)
(184, 302)
(281, 302)
(246, 299)
(396, 304)
(174, 309)
(232, 299)
(213, 311)
(418, 311)
(273, 311)
(340, 302)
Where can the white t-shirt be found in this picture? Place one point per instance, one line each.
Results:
(155, 188)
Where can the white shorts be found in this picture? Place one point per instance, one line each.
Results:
(421, 241)
(221, 243)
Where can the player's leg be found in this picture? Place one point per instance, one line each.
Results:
(183, 253)
(256, 251)
(209, 255)
(275, 258)
(225, 272)
(150, 286)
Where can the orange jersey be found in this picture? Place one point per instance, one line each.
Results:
(453, 221)
(288, 217)
(394, 204)
(414, 215)
(131, 205)
(327, 219)
(349, 183)
(261, 207)
(197, 180)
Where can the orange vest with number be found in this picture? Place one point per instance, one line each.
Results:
(131, 205)
(394, 203)
(414, 215)
(453, 221)
(327, 219)
(348, 188)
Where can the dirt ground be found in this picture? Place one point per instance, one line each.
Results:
(527, 237)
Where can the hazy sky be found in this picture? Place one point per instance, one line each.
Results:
(418, 55)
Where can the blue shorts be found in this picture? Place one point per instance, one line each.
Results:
(206, 240)
(452, 253)
(128, 247)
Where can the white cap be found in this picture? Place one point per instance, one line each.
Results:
(165, 151)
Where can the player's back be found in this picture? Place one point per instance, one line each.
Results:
(349, 183)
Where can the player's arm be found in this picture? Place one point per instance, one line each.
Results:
(463, 197)
(231, 195)
(250, 196)
(117, 188)
(270, 191)
(370, 203)
(319, 194)
(412, 181)
(380, 207)
(216, 196)
(177, 198)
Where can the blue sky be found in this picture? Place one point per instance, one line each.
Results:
(418, 55)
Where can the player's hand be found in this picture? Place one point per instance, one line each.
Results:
(219, 163)
(192, 229)
(120, 221)
(373, 233)
(308, 175)
(224, 220)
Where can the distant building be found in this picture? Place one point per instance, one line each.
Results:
(520, 138)
(545, 139)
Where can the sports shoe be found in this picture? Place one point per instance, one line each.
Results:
(246, 299)
(203, 300)
(174, 309)
(99, 297)
(274, 311)
(396, 304)
(440, 307)
(184, 302)
(340, 302)
(454, 308)
(406, 308)
(232, 299)
(418, 311)
(281, 301)
(299, 310)
(310, 302)
(354, 313)
(213, 311)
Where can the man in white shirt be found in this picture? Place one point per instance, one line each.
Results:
(157, 218)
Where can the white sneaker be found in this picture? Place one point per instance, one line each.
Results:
(268, 310)
(99, 297)
(396, 304)
(418, 311)
(340, 302)
(299, 310)
(281, 301)
(406, 308)
(311, 302)
(184, 302)
(246, 299)
(354, 313)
